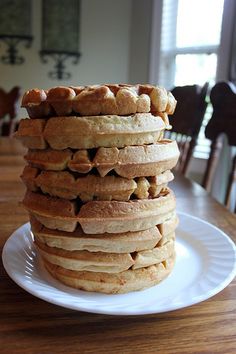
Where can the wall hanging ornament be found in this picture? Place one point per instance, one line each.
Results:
(60, 35)
(15, 28)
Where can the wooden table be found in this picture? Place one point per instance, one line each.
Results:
(30, 325)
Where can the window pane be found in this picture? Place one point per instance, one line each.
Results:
(199, 22)
(195, 69)
(168, 30)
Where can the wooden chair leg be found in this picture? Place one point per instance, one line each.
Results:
(232, 179)
(189, 154)
(181, 157)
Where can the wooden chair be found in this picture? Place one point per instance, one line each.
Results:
(223, 121)
(8, 110)
(187, 120)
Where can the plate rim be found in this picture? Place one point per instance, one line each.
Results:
(228, 279)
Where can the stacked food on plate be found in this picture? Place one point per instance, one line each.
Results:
(98, 167)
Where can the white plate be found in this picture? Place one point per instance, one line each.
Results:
(205, 265)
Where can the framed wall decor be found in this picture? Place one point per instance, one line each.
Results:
(60, 34)
(15, 27)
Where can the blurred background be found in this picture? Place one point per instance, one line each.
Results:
(166, 42)
(170, 42)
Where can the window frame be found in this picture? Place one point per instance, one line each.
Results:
(223, 50)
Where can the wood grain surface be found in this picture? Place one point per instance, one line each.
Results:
(31, 325)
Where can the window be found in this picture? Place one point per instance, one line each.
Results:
(190, 40)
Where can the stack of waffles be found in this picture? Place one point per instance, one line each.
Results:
(101, 213)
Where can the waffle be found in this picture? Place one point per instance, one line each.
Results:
(129, 162)
(91, 132)
(85, 260)
(115, 243)
(63, 184)
(30, 133)
(113, 283)
(97, 217)
(98, 99)
(169, 227)
(55, 160)
(103, 261)
(102, 216)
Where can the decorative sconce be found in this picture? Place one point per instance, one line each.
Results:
(15, 27)
(60, 34)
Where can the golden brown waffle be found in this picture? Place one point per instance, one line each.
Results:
(85, 260)
(106, 262)
(63, 184)
(102, 216)
(157, 255)
(91, 132)
(30, 133)
(55, 160)
(97, 217)
(129, 162)
(116, 243)
(113, 283)
(168, 227)
(98, 99)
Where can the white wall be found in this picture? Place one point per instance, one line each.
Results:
(141, 25)
(104, 44)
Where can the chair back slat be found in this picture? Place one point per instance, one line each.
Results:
(187, 120)
(9, 104)
(223, 121)
(231, 181)
(215, 150)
